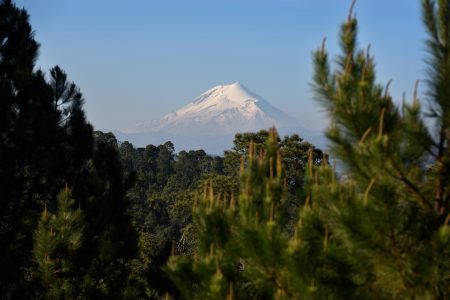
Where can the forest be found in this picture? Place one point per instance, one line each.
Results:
(85, 216)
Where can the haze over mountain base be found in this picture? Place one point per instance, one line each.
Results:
(214, 145)
(211, 120)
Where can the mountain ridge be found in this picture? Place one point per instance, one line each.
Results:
(223, 110)
(211, 120)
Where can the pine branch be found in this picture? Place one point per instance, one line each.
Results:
(411, 186)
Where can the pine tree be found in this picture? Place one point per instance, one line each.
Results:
(243, 249)
(28, 130)
(45, 143)
(111, 240)
(58, 239)
(379, 231)
(386, 222)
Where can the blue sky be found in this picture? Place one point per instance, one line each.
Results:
(136, 60)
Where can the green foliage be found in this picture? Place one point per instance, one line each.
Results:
(162, 201)
(380, 231)
(294, 152)
(385, 217)
(294, 157)
(111, 241)
(58, 238)
(42, 127)
(162, 210)
(223, 186)
(189, 167)
(243, 251)
(45, 144)
(64, 253)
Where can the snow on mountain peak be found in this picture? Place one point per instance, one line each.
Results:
(219, 99)
(222, 110)
(235, 93)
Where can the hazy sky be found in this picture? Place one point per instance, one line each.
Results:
(136, 60)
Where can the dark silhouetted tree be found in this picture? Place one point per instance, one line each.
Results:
(46, 143)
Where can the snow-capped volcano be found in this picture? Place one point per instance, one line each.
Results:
(212, 119)
(220, 111)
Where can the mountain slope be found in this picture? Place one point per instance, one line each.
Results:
(222, 110)
(211, 120)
